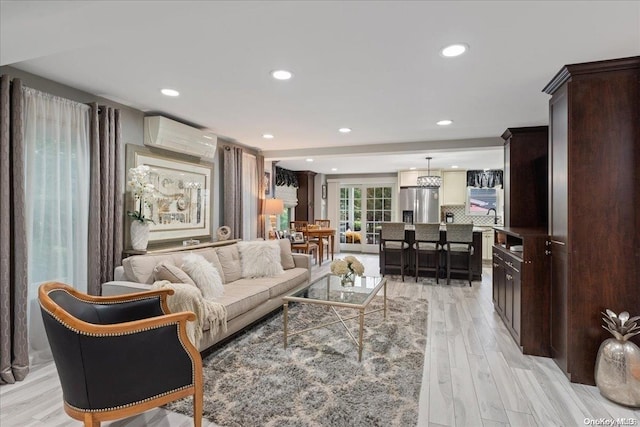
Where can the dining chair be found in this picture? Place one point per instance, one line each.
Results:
(307, 246)
(324, 241)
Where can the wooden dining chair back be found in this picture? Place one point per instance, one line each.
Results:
(299, 226)
(324, 241)
(121, 355)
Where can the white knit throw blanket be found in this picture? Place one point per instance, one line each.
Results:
(189, 298)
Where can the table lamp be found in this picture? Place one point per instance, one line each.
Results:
(273, 207)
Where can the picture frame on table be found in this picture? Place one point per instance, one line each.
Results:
(297, 237)
(181, 204)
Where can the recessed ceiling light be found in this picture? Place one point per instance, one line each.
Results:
(334, 169)
(444, 122)
(309, 160)
(412, 169)
(344, 130)
(267, 136)
(454, 50)
(170, 92)
(454, 167)
(281, 74)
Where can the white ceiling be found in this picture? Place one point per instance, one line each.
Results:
(373, 66)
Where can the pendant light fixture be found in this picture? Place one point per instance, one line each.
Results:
(428, 180)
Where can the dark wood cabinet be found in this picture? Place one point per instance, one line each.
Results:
(594, 194)
(305, 208)
(521, 286)
(525, 176)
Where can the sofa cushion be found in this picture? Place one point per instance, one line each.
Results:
(278, 285)
(260, 258)
(286, 257)
(230, 263)
(204, 274)
(164, 270)
(210, 255)
(139, 268)
(240, 298)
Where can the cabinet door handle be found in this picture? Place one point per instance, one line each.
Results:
(558, 242)
(509, 277)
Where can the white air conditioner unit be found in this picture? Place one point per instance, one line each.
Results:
(161, 132)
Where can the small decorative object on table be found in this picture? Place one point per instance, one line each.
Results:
(223, 232)
(140, 187)
(617, 372)
(347, 268)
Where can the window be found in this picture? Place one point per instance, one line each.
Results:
(57, 199)
(480, 200)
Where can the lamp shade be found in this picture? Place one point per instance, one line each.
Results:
(273, 206)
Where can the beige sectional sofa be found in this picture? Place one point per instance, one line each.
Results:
(245, 299)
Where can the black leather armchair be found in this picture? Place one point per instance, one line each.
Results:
(119, 356)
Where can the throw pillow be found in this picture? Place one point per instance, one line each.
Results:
(166, 271)
(286, 258)
(260, 258)
(204, 274)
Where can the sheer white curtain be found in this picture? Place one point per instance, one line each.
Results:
(57, 199)
(249, 196)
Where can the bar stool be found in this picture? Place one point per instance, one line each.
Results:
(392, 240)
(459, 240)
(427, 241)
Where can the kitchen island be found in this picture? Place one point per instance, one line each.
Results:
(456, 261)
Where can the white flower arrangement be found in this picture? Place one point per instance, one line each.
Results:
(140, 187)
(350, 265)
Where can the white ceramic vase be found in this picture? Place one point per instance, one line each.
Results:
(139, 235)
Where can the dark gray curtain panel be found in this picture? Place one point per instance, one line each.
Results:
(261, 217)
(14, 341)
(106, 197)
(232, 195)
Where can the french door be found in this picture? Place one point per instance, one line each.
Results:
(362, 209)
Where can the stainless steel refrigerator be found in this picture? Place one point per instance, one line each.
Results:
(419, 204)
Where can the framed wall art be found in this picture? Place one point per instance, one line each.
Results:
(180, 206)
(267, 183)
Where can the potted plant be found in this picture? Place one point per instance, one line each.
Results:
(140, 188)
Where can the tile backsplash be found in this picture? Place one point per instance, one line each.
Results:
(459, 215)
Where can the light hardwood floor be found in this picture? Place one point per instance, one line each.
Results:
(474, 374)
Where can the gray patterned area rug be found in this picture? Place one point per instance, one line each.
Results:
(318, 381)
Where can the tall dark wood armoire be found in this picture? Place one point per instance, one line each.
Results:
(306, 192)
(594, 206)
(526, 176)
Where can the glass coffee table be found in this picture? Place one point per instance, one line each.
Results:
(328, 291)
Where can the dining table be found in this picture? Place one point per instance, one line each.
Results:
(321, 233)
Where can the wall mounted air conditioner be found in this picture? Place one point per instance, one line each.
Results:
(161, 132)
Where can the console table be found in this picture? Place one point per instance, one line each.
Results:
(163, 249)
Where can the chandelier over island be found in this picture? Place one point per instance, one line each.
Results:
(428, 180)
